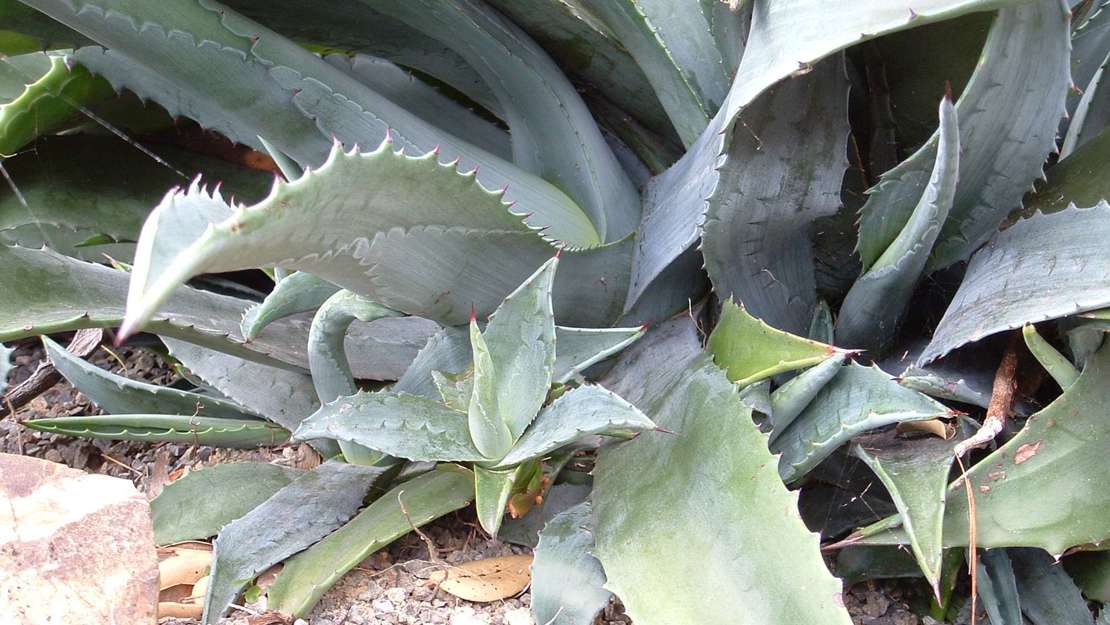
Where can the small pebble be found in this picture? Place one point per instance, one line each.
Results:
(396, 595)
(519, 616)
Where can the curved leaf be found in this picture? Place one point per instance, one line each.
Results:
(741, 552)
(1048, 595)
(406, 90)
(553, 134)
(1007, 130)
(197, 505)
(492, 489)
(750, 350)
(308, 575)
(675, 49)
(284, 397)
(447, 351)
(1053, 361)
(915, 473)
(116, 394)
(874, 307)
(789, 400)
(567, 580)
(411, 246)
(579, 348)
(406, 426)
(783, 171)
(160, 428)
(785, 38)
(294, 518)
(998, 588)
(579, 412)
(183, 57)
(488, 430)
(586, 49)
(858, 399)
(1092, 113)
(1079, 179)
(1065, 440)
(1051, 266)
(296, 293)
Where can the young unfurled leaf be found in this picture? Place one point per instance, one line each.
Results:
(488, 430)
(750, 350)
(789, 400)
(521, 340)
(197, 505)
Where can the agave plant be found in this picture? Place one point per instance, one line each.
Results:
(694, 165)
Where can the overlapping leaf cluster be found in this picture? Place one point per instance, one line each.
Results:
(829, 242)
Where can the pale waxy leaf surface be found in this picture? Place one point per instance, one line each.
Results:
(675, 49)
(876, 304)
(284, 397)
(789, 400)
(162, 428)
(742, 543)
(50, 293)
(197, 505)
(308, 575)
(554, 136)
(116, 394)
(567, 580)
(858, 399)
(296, 293)
(585, 48)
(915, 473)
(522, 346)
(785, 37)
(184, 56)
(447, 351)
(488, 430)
(1091, 114)
(783, 171)
(292, 519)
(405, 89)
(579, 348)
(1043, 267)
(749, 350)
(579, 412)
(1007, 129)
(402, 425)
(410, 246)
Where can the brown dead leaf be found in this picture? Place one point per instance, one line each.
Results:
(183, 566)
(487, 580)
(936, 427)
(179, 610)
(159, 474)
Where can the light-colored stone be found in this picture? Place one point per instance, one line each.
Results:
(468, 616)
(74, 547)
(519, 616)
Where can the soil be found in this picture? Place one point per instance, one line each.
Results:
(390, 587)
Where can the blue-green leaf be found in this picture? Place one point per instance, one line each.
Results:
(160, 428)
(568, 583)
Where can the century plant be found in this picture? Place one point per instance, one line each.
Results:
(821, 211)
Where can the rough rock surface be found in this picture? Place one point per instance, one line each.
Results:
(74, 547)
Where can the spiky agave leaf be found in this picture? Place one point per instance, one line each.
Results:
(402, 247)
(161, 428)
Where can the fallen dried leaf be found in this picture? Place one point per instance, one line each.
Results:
(184, 566)
(179, 610)
(936, 427)
(487, 580)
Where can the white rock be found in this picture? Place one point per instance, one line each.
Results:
(467, 616)
(519, 616)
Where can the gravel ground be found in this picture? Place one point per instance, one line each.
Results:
(391, 587)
